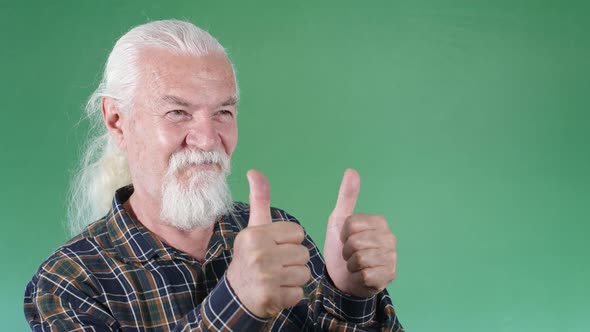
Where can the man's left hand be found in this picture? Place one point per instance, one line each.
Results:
(360, 248)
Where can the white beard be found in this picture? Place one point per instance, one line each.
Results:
(203, 198)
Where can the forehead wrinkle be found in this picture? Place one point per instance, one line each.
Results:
(169, 99)
(158, 79)
(161, 82)
(179, 101)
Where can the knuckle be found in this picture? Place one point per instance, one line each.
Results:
(265, 298)
(351, 266)
(365, 276)
(299, 231)
(292, 296)
(258, 259)
(299, 294)
(347, 252)
(380, 219)
(355, 242)
(391, 260)
(360, 259)
(302, 275)
(369, 281)
(352, 218)
(240, 238)
(250, 237)
(280, 224)
(355, 224)
(393, 240)
(305, 256)
(293, 229)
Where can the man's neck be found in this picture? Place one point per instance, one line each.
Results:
(146, 210)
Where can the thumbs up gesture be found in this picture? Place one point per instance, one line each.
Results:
(269, 264)
(360, 248)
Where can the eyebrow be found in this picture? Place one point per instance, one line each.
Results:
(175, 100)
(230, 101)
(233, 100)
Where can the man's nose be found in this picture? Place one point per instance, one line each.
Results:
(203, 135)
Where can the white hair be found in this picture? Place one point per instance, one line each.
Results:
(103, 166)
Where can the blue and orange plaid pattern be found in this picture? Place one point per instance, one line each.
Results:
(117, 276)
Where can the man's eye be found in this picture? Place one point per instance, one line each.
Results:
(225, 113)
(177, 115)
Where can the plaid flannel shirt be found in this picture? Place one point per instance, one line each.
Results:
(116, 276)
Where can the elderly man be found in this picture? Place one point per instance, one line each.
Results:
(172, 251)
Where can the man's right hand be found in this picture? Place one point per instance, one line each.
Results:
(269, 264)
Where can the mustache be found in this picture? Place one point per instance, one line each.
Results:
(189, 157)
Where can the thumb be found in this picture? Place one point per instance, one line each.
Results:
(259, 198)
(348, 194)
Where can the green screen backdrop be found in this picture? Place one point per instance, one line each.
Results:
(467, 120)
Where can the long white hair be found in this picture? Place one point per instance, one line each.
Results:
(103, 167)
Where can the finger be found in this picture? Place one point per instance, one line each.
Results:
(370, 258)
(374, 279)
(295, 275)
(370, 239)
(286, 232)
(348, 194)
(360, 241)
(360, 222)
(291, 254)
(289, 296)
(259, 199)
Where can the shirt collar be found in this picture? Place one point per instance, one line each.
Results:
(134, 242)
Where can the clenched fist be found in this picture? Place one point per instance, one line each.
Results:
(269, 265)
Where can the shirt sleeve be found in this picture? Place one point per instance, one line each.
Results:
(56, 302)
(221, 311)
(337, 311)
(329, 309)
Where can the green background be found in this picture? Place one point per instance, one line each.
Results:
(467, 120)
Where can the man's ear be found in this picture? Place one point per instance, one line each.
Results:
(113, 119)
